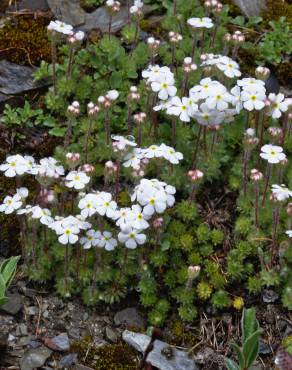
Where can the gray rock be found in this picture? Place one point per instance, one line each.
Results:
(14, 304)
(21, 329)
(269, 296)
(139, 341)
(16, 79)
(61, 342)
(81, 367)
(129, 316)
(74, 333)
(162, 355)
(251, 7)
(71, 12)
(68, 360)
(111, 334)
(35, 358)
(264, 348)
(33, 5)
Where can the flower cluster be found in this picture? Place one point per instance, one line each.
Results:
(161, 80)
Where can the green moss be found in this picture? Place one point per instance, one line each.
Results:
(180, 336)
(108, 357)
(24, 41)
(277, 9)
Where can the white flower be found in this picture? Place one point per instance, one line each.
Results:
(206, 116)
(219, 98)
(121, 142)
(200, 22)
(25, 211)
(77, 180)
(133, 159)
(170, 191)
(15, 166)
(31, 166)
(164, 87)
(124, 216)
(278, 105)
(281, 192)
(92, 238)
(43, 214)
(112, 95)
(170, 154)
(60, 27)
(156, 73)
(106, 206)
(11, 204)
(79, 36)
(154, 202)
(236, 98)
(180, 107)
(68, 234)
(137, 219)
(289, 233)
(253, 100)
(272, 153)
(49, 167)
(154, 151)
(203, 90)
(131, 237)
(229, 67)
(87, 205)
(22, 192)
(252, 85)
(107, 241)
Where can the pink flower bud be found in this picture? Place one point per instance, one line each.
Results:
(289, 209)
(193, 271)
(195, 175)
(157, 223)
(256, 175)
(88, 168)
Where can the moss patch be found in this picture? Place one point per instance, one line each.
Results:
(24, 41)
(108, 357)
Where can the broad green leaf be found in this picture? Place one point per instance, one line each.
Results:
(231, 365)
(8, 268)
(239, 354)
(248, 323)
(251, 348)
(58, 131)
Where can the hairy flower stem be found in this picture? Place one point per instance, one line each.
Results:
(195, 41)
(185, 83)
(173, 133)
(34, 246)
(215, 30)
(54, 60)
(139, 135)
(276, 214)
(285, 129)
(128, 11)
(107, 127)
(46, 246)
(174, 7)
(87, 139)
(214, 141)
(129, 120)
(262, 127)
(173, 59)
(70, 63)
(268, 176)
(194, 158)
(117, 184)
(68, 135)
(257, 211)
(96, 267)
(110, 25)
(78, 257)
(205, 142)
(66, 266)
(246, 157)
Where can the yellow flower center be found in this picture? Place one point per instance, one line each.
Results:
(68, 232)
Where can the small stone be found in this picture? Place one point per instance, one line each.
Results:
(68, 360)
(35, 344)
(31, 310)
(85, 316)
(35, 358)
(112, 335)
(59, 343)
(130, 317)
(14, 304)
(11, 338)
(269, 296)
(139, 341)
(81, 367)
(264, 348)
(46, 314)
(74, 333)
(21, 330)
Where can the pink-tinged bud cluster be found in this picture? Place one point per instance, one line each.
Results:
(227, 37)
(195, 175)
(289, 209)
(238, 37)
(157, 223)
(174, 37)
(275, 132)
(262, 73)
(284, 162)
(189, 66)
(107, 100)
(113, 6)
(92, 109)
(140, 171)
(139, 117)
(73, 159)
(193, 271)
(74, 108)
(77, 37)
(110, 168)
(213, 5)
(153, 44)
(214, 128)
(256, 175)
(134, 94)
(46, 196)
(87, 168)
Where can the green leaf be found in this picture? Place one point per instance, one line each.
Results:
(231, 365)
(251, 348)
(7, 269)
(57, 131)
(239, 354)
(249, 323)
(2, 286)
(165, 245)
